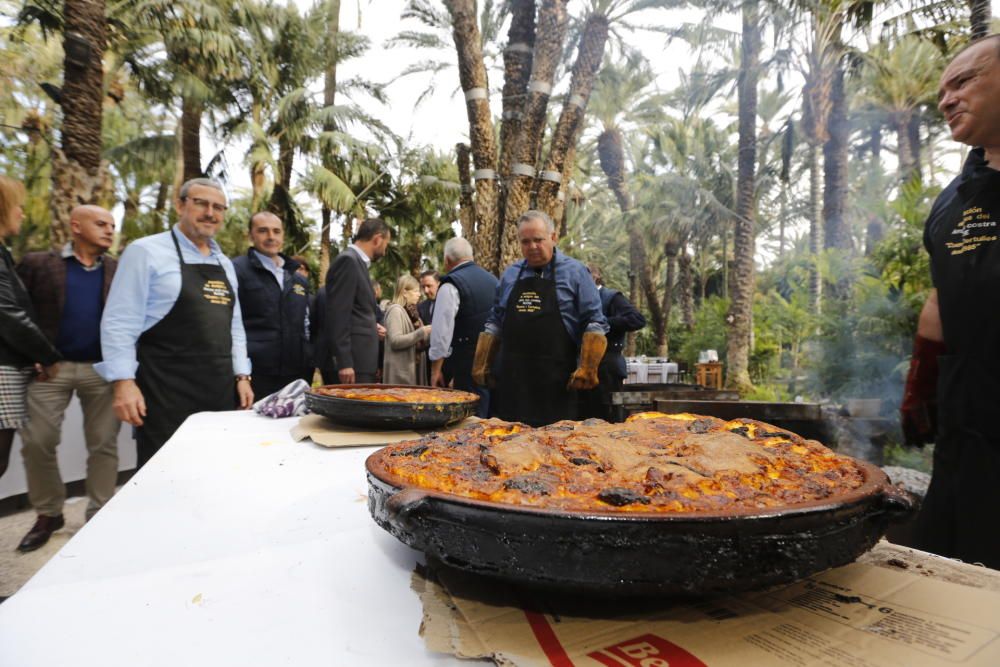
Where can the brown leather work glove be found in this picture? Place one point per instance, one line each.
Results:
(591, 352)
(482, 364)
(918, 411)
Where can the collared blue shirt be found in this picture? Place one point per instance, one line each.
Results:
(576, 294)
(277, 271)
(145, 288)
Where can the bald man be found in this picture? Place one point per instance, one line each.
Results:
(68, 290)
(954, 378)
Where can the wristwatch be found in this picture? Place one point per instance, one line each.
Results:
(240, 378)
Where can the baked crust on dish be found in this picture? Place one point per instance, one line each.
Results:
(652, 463)
(398, 394)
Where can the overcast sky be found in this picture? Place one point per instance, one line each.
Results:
(440, 120)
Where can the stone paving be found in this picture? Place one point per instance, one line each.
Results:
(15, 567)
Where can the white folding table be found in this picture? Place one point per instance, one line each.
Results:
(233, 546)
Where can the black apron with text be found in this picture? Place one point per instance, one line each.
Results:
(959, 516)
(185, 359)
(538, 355)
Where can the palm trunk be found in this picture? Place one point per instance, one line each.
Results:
(612, 159)
(466, 212)
(324, 245)
(611, 152)
(281, 196)
(815, 228)
(517, 69)
(782, 220)
(835, 167)
(642, 268)
(740, 310)
(331, 56)
(662, 341)
(874, 233)
(472, 76)
(256, 168)
(565, 193)
(130, 218)
(551, 32)
(77, 176)
(907, 169)
(162, 195)
(685, 284)
(913, 130)
(347, 230)
(980, 13)
(191, 112)
(725, 263)
(588, 60)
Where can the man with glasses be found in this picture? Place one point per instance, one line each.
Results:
(172, 335)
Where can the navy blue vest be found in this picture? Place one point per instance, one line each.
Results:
(273, 316)
(477, 289)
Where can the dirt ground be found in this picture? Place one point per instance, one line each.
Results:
(15, 567)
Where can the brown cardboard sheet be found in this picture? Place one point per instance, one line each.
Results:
(860, 615)
(324, 432)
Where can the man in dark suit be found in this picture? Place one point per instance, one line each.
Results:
(430, 281)
(274, 299)
(68, 290)
(352, 332)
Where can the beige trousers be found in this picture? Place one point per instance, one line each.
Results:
(47, 402)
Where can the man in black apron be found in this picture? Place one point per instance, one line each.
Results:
(958, 334)
(191, 356)
(548, 317)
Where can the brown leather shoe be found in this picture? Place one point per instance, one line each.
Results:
(41, 532)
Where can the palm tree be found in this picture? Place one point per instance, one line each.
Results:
(77, 177)
(331, 23)
(821, 59)
(29, 60)
(617, 100)
(550, 32)
(898, 80)
(980, 14)
(482, 140)
(466, 213)
(739, 319)
(187, 51)
(421, 207)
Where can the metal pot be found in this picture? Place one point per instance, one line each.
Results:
(637, 553)
(388, 415)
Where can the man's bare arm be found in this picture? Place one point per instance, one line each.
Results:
(929, 322)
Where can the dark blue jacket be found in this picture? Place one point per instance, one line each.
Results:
(477, 290)
(622, 317)
(274, 317)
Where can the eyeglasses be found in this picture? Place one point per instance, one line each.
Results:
(204, 204)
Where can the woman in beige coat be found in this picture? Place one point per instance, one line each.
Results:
(404, 335)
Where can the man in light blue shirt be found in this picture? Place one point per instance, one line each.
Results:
(547, 316)
(172, 336)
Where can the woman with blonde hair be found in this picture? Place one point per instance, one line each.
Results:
(23, 346)
(405, 336)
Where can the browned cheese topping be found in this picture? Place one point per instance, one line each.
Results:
(399, 394)
(653, 462)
